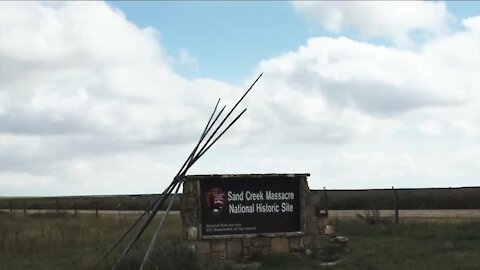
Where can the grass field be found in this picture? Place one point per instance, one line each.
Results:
(60, 241)
(51, 241)
(449, 245)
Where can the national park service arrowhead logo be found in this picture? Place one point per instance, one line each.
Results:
(215, 200)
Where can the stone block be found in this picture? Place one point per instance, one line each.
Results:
(307, 240)
(187, 219)
(304, 226)
(260, 242)
(234, 249)
(310, 210)
(192, 247)
(190, 187)
(192, 233)
(182, 202)
(313, 228)
(218, 246)
(321, 241)
(322, 222)
(295, 244)
(316, 230)
(212, 258)
(246, 252)
(202, 257)
(202, 247)
(255, 252)
(222, 255)
(191, 201)
(279, 245)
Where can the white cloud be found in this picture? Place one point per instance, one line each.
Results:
(395, 20)
(472, 22)
(79, 82)
(392, 101)
(97, 71)
(11, 183)
(188, 62)
(60, 34)
(432, 128)
(343, 90)
(89, 103)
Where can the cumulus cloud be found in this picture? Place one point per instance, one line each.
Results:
(395, 20)
(86, 68)
(372, 86)
(433, 128)
(348, 93)
(89, 103)
(78, 81)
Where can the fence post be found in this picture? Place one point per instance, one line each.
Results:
(450, 200)
(96, 209)
(24, 207)
(395, 204)
(56, 205)
(120, 208)
(75, 208)
(325, 199)
(11, 206)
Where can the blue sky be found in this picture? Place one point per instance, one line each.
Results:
(228, 39)
(109, 97)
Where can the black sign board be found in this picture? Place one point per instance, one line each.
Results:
(249, 205)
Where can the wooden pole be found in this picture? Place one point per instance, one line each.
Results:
(325, 199)
(395, 204)
(56, 205)
(179, 178)
(24, 207)
(96, 209)
(75, 208)
(11, 206)
(154, 239)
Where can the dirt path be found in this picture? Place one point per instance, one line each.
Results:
(412, 214)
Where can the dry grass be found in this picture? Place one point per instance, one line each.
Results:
(61, 241)
(412, 245)
(51, 241)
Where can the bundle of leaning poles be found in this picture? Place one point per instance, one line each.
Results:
(207, 139)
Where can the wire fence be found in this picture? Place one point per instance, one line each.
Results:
(339, 202)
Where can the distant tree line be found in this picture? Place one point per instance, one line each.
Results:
(117, 202)
(382, 199)
(378, 199)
